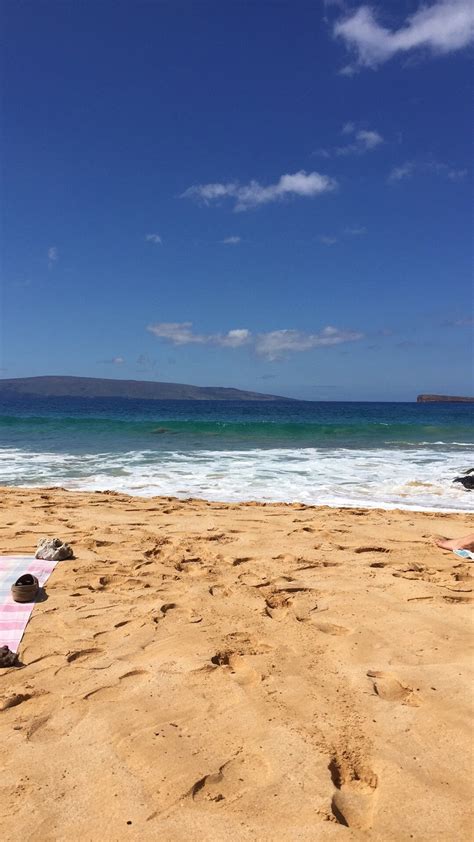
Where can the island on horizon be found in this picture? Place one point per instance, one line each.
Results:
(98, 387)
(443, 399)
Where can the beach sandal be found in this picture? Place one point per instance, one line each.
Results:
(25, 588)
(464, 554)
(7, 657)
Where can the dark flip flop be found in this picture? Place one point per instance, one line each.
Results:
(25, 588)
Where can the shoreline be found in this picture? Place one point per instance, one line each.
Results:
(389, 507)
(203, 670)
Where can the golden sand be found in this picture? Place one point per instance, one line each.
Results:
(215, 672)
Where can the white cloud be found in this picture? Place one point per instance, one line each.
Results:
(443, 27)
(327, 241)
(347, 70)
(276, 343)
(271, 345)
(403, 171)
(231, 241)
(154, 238)
(348, 128)
(456, 175)
(53, 256)
(113, 361)
(369, 140)
(410, 168)
(181, 333)
(364, 141)
(254, 194)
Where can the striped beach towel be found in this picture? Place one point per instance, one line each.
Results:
(15, 615)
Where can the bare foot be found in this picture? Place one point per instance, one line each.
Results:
(446, 543)
(466, 543)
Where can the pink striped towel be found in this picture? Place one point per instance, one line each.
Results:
(15, 615)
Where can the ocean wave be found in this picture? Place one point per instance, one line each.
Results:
(417, 479)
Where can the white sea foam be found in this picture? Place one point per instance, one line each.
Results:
(418, 479)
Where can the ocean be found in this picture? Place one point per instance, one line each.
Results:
(388, 455)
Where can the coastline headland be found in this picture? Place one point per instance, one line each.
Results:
(97, 387)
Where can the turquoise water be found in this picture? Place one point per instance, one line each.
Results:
(333, 453)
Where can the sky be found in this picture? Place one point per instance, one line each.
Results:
(274, 196)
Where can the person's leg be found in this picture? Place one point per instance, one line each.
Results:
(466, 543)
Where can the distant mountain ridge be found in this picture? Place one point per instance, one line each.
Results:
(98, 387)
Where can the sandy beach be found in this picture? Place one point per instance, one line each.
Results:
(207, 671)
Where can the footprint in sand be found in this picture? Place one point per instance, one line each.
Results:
(353, 803)
(242, 560)
(371, 550)
(178, 612)
(237, 666)
(15, 700)
(81, 653)
(390, 688)
(277, 605)
(287, 584)
(220, 591)
(233, 779)
(457, 598)
(332, 628)
(109, 691)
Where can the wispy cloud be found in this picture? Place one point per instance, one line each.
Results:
(53, 256)
(350, 231)
(231, 241)
(113, 361)
(254, 194)
(403, 171)
(348, 128)
(465, 322)
(145, 363)
(277, 343)
(363, 140)
(456, 175)
(355, 230)
(410, 168)
(271, 345)
(181, 333)
(443, 27)
(154, 238)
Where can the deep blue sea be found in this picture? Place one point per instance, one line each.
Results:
(339, 454)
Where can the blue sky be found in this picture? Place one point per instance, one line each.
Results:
(273, 196)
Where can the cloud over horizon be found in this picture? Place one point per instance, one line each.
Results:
(443, 27)
(272, 344)
(254, 194)
(113, 361)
